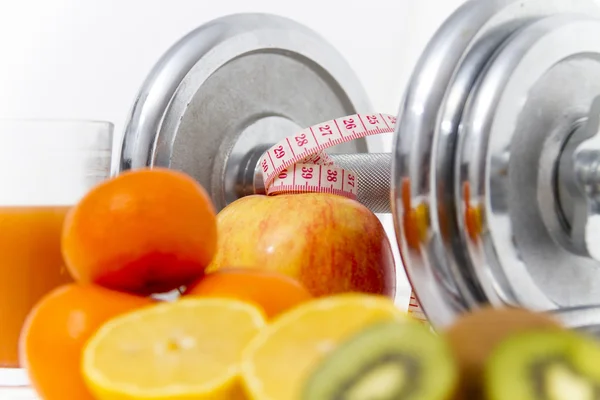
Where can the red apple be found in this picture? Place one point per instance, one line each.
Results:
(329, 243)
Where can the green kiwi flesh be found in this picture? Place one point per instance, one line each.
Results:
(544, 365)
(399, 360)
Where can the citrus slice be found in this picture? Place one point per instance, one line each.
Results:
(280, 358)
(187, 349)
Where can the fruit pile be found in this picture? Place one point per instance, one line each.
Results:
(302, 312)
(153, 231)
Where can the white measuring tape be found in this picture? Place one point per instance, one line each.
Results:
(299, 164)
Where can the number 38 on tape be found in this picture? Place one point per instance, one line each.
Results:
(299, 164)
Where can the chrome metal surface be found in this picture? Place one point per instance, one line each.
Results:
(585, 318)
(231, 85)
(424, 175)
(250, 178)
(535, 82)
(372, 170)
(426, 262)
(579, 175)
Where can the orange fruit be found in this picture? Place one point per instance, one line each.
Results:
(146, 231)
(55, 333)
(272, 291)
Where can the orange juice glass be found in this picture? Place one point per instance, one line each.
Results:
(45, 168)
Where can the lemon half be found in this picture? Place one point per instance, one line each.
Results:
(276, 363)
(183, 350)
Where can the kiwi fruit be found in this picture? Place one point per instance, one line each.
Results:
(474, 336)
(395, 360)
(544, 365)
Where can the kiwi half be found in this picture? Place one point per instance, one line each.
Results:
(544, 366)
(397, 360)
(475, 335)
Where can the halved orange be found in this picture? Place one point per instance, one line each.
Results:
(183, 350)
(279, 359)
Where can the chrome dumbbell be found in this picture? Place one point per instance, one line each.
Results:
(494, 168)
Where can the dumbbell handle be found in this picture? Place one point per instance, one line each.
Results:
(372, 170)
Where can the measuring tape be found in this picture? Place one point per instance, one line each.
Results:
(299, 164)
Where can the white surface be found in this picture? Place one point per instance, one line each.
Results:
(87, 58)
(18, 394)
(15, 377)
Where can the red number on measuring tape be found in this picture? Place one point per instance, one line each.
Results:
(331, 176)
(325, 130)
(372, 119)
(301, 140)
(349, 123)
(313, 169)
(307, 173)
(279, 152)
(351, 180)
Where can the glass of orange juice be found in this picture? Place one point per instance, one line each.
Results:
(45, 168)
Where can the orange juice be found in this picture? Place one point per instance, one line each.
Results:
(30, 266)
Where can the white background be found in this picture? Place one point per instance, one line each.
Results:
(87, 58)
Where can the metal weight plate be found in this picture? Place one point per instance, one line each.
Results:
(519, 116)
(426, 192)
(228, 90)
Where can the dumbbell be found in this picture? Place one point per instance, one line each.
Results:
(494, 177)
